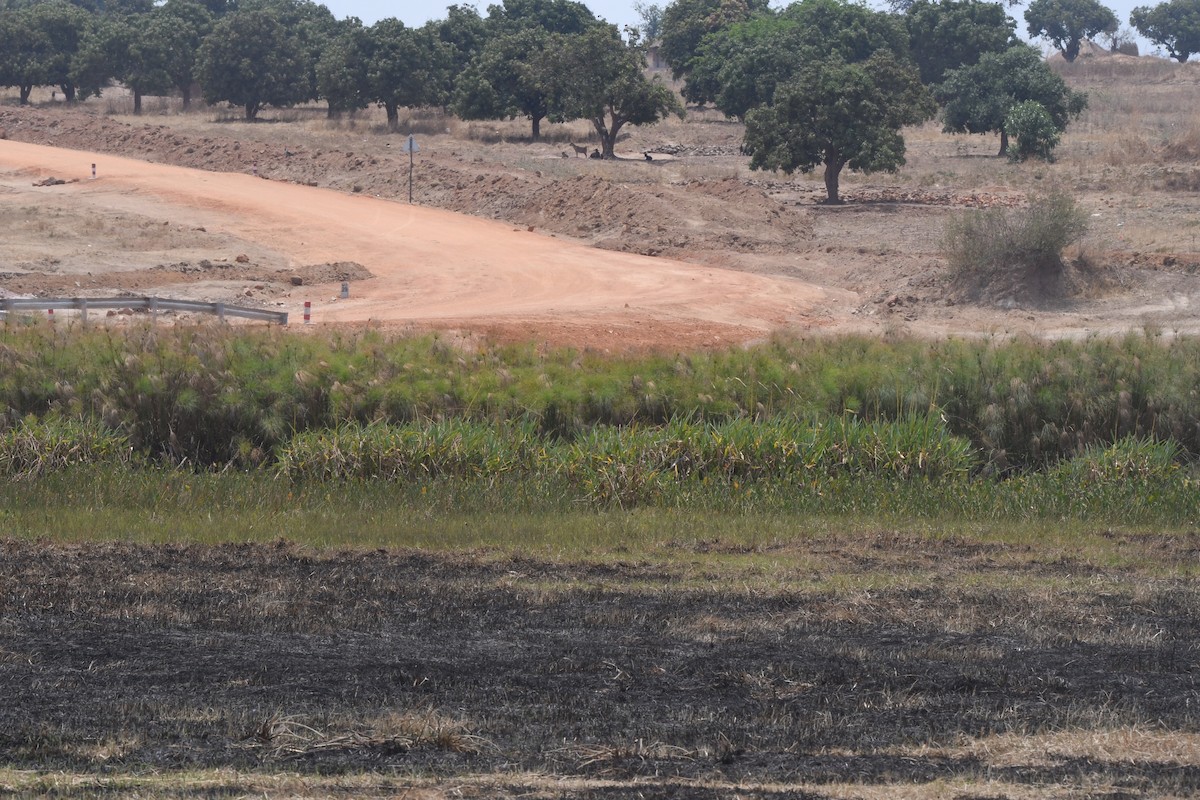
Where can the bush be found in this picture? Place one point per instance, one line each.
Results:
(1031, 131)
(36, 447)
(1011, 251)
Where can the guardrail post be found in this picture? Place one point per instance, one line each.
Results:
(220, 311)
(82, 312)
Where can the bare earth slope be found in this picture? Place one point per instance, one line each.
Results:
(428, 265)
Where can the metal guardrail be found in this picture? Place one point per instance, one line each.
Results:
(152, 304)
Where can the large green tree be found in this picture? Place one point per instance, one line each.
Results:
(738, 67)
(596, 76)
(342, 71)
(551, 16)
(184, 24)
(311, 25)
(1174, 26)
(408, 67)
(501, 82)
(977, 99)
(16, 52)
(465, 32)
(1066, 23)
(949, 34)
(251, 60)
(685, 23)
(839, 114)
(40, 42)
(651, 15)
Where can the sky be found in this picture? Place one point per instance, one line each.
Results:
(620, 12)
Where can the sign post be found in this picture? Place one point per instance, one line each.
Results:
(410, 147)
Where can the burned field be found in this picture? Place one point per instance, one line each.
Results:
(837, 665)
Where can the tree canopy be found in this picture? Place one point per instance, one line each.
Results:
(134, 49)
(686, 22)
(407, 67)
(502, 80)
(185, 23)
(40, 42)
(251, 60)
(552, 16)
(596, 76)
(1066, 23)
(739, 67)
(977, 99)
(951, 34)
(1174, 26)
(839, 114)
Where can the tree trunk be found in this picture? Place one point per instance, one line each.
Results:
(25, 90)
(608, 135)
(1003, 143)
(252, 111)
(137, 102)
(833, 170)
(186, 93)
(537, 127)
(68, 92)
(393, 115)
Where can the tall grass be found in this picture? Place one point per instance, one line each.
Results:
(213, 396)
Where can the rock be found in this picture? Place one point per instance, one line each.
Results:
(243, 259)
(296, 280)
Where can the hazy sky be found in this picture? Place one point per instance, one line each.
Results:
(618, 12)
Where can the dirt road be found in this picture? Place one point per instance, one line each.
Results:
(431, 267)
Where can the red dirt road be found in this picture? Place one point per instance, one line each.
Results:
(438, 269)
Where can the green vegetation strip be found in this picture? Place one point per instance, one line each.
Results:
(214, 396)
(267, 433)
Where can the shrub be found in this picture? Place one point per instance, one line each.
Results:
(1015, 250)
(36, 447)
(1031, 131)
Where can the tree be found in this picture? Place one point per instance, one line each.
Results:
(1032, 131)
(552, 16)
(839, 114)
(500, 82)
(738, 67)
(184, 24)
(407, 67)
(134, 49)
(977, 99)
(342, 71)
(465, 32)
(311, 25)
(950, 34)
(651, 15)
(39, 43)
(1174, 26)
(686, 22)
(251, 60)
(17, 53)
(1066, 23)
(596, 76)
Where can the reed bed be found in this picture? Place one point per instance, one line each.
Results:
(216, 397)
